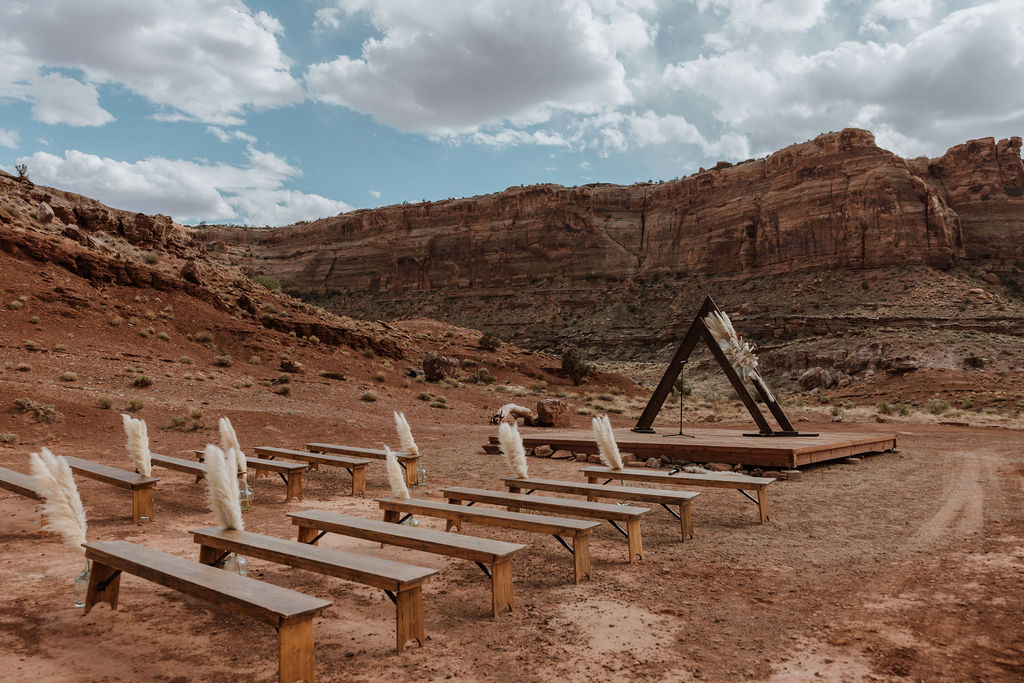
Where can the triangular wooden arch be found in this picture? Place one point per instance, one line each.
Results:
(698, 331)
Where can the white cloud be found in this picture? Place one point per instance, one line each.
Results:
(884, 12)
(748, 16)
(229, 136)
(59, 99)
(209, 60)
(450, 67)
(9, 138)
(945, 85)
(375, 194)
(187, 190)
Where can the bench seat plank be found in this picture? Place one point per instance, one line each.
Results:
(514, 501)
(485, 551)
(141, 486)
(663, 497)
(355, 466)
(727, 481)
(403, 581)
(406, 460)
(22, 484)
(290, 472)
(456, 515)
(290, 612)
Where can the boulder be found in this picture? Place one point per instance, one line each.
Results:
(436, 367)
(289, 365)
(247, 304)
(44, 214)
(654, 462)
(542, 452)
(191, 272)
(552, 412)
(718, 467)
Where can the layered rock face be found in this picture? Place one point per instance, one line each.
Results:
(549, 256)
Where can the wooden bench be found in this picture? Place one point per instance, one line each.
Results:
(398, 509)
(22, 484)
(355, 466)
(140, 486)
(662, 497)
(289, 612)
(493, 557)
(403, 583)
(741, 483)
(563, 506)
(407, 461)
(290, 473)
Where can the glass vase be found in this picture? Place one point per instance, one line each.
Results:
(236, 564)
(421, 474)
(82, 584)
(245, 497)
(411, 521)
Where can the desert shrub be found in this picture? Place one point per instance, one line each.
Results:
(22, 367)
(575, 366)
(104, 402)
(539, 387)
(67, 376)
(116, 321)
(43, 412)
(381, 377)
(974, 361)
(269, 281)
(60, 347)
(584, 411)
(368, 396)
(163, 336)
(186, 360)
(369, 353)
(142, 381)
(489, 341)
(283, 389)
(255, 360)
(438, 404)
(8, 437)
(15, 305)
(483, 376)
(283, 378)
(598, 407)
(243, 383)
(34, 320)
(150, 258)
(192, 422)
(425, 396)
(222, 361)
(204, 337)
(937, 406)
(605, 397)
(134, 406)
(313, 339)
(147, 332)
(32, 345)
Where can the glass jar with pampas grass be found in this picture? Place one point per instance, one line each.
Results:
(245, 496)
(82, 584)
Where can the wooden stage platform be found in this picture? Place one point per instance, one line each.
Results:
(720, 445)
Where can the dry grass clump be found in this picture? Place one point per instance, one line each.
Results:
(255, 360)
(116, 321)
(43, 412)
(134, 406)
(104, 402)
(368, 396)
(34, 320)
(186, 360)
(223, 361)
(243, 383)
(22, 367)
(204, 338)
(8, 437)
(380, 377)
(15, 305)
(142, 381)
(163, 336)
(68, 376)
(284, 390)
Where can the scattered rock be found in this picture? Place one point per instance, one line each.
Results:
(543, 451)
(45, 215)
(793, 475)
(191, 272)
(775, 474)
(492, 449)
(436, 367)
(837, 418)
(580, 457)
(654, 462)
(629, 458)
(248, 304)
(563, 455)
(718, 467)
(552, 412)
(594, 459)
(289, 365)
(990, 278)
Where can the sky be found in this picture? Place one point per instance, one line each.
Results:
(267, 112)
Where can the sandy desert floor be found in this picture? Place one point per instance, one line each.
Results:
(906, 566)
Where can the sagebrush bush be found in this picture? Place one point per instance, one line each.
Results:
(269, 281)
(283, 389)
(255, 360)
(368, 396)
(104, 402)
(489, 341)
(186, 360)
(223, 361)
(142, 381)
(8, 437)
(68, 376)
(575, 366)
(134, 406)
(204, 337)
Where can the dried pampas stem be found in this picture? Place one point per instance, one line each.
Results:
(405, 434)
(606, 446)
(229, 443)
(62, 507)
(512, 447)
(739, 353)
(138, 444)
(395, 476)
(222, 488)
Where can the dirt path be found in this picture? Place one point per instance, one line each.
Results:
(908, 566)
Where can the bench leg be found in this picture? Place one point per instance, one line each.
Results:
(307, 534)
(501, 586)
(762, 502)
(409, 617)
(208, 555)
(142, 505)
(635, 541)
(295, 645)
(581, 556)
(686, 520)
(294, 486)
(392, 516)
(111, 578)
(411, 478)
(358, 481)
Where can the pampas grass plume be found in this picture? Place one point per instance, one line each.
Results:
(229, 443)
(62, 506)
(395, 476)
(606, 446)
(405, 434)
(222, 488)
(512, 447)
(137, 444)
